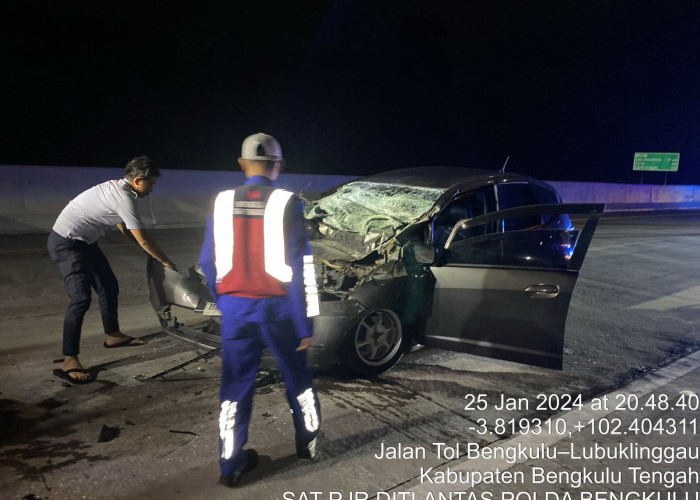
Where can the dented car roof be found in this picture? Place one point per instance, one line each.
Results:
(443, 178)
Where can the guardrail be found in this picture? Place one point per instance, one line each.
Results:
(32, 196)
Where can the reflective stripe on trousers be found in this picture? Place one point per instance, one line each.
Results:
(307, 401)
(227, 421)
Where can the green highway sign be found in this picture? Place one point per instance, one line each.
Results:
(663, 162)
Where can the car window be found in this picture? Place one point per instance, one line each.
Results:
(522, 193)
(517, 194)
(545, 194)
(542, 247)
(465, 206)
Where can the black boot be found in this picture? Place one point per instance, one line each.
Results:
(306, 449)
(232, 480)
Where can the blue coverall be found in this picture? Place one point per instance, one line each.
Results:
(250, 324)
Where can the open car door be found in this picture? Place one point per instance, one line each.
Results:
(504, 282)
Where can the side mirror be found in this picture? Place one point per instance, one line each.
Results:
(423, 253)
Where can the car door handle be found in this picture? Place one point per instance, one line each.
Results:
(542, 291)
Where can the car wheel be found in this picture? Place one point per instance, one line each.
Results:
(376, 343)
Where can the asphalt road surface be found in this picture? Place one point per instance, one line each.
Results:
(635, 310)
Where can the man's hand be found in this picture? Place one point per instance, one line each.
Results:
(169, 265)
(304, 343)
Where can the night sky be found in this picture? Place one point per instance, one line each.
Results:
(570, 90)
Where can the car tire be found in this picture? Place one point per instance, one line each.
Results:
(375, 344)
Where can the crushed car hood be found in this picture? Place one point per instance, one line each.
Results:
(360, 218)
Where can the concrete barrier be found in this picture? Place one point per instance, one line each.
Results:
(32, 196)
(625, 197)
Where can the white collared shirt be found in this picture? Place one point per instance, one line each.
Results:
(92, 212)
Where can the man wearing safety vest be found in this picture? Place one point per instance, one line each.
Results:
(259, 269)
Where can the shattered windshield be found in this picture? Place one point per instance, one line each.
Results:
(364, 207)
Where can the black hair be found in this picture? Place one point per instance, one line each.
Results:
(140, 167)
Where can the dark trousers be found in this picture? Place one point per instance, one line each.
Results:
(84, 267)
(242, 344)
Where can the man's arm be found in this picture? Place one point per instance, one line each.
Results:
(146, 241)
(206, 257)
(297, 247)
(122, 229)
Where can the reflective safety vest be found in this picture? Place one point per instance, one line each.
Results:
(249, 243)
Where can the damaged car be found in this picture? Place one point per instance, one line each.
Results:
(460, 259)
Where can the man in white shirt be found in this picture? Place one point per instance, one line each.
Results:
(72, 244)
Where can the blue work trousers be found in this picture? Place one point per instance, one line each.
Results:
(242, 344)
(84, 267)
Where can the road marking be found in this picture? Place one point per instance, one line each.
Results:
(689, 298)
